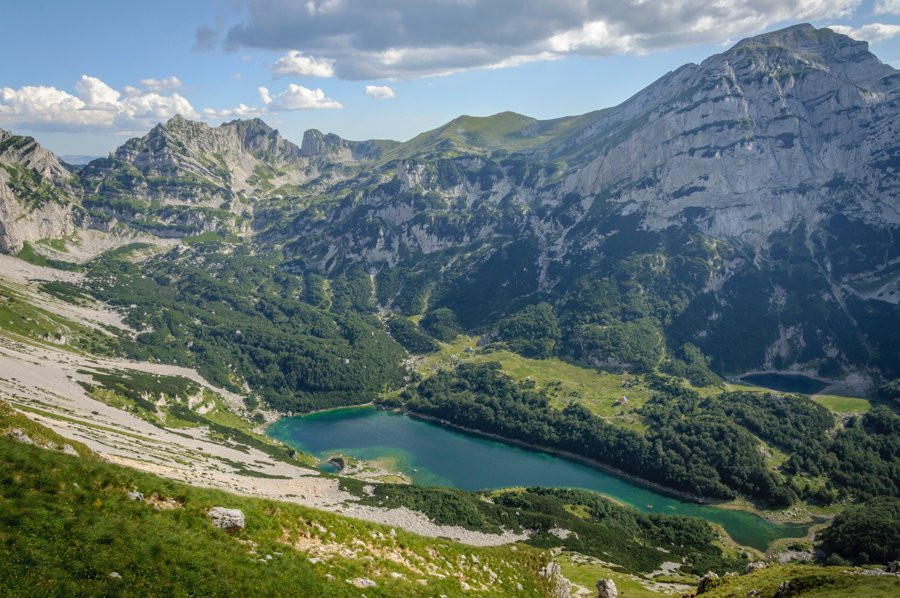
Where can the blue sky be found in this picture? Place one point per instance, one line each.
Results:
(84, 76)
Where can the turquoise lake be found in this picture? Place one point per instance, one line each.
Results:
(434, 455)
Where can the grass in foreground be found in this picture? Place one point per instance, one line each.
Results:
(66, 525)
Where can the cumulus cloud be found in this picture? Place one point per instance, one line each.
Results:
(161, 85)
(94, 106)
(297, 97)
(377, 39)
(873, 32)
(380, 92)
(887, 7)
(295, 63)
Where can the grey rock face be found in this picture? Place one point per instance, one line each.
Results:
(362, 582)
(68, 449)
(228, 519)
(606, 588)
(38, 196)
(753, 139)
(20, 436)
(707, 582)
(560, 586)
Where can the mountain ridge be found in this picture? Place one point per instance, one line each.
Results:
(779, 151)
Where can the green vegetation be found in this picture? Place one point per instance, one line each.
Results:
(703, 446)
(238, 319)
(411, 336)
(867, 533)
(174, 401)
(30, 255)
(590, 524)
(805, 581)
(532, 332)
(441, 324)
(843, 405)
(66, 525)
(29, 187)
(18, 317)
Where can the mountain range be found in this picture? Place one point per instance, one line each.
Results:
(744, 209)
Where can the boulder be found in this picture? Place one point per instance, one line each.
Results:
(134, 495)
(68, 449)
(19, 436)
(230, 519)
(606, 588)
(560, 586)
(362, 582)
(707, 582)
(755, 566)
(784, 589)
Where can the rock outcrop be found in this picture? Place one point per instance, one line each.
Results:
(560, 587)
(228, 519)
(606, 588)
(38, 196)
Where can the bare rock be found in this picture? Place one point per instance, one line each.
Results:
(68, 449)
(560, 586)
(134, 495)
(606, 588)
(20, 436)
(362, 582)
(229, 519)
(783, 589)
(707, 582)
(755, 566)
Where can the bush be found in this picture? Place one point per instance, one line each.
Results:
(441, 324)
(864, 533)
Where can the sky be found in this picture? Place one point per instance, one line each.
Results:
(83, 77)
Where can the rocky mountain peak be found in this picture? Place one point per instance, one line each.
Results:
(801, 47)
(24, 151)
(37, 193)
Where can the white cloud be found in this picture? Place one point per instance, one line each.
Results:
(367, 40)
(297, 97)
(94, 106)
(295, 63)
(873, 32)
(380, 92)
(887, 7)
(161, 85)
(241, 111)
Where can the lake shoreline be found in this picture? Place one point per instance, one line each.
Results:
(630, 478)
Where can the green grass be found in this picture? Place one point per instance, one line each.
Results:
(60, 244)
(210, 237)
(563, 382)
(807, 580)
(19, 318)
(587, 572)
(66, 524)
(843, 405)
(30, 255)
(11, 419)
